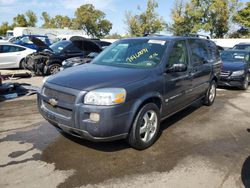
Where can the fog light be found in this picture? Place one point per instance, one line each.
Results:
(94, 117)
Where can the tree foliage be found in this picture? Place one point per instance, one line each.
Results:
(4, 28)
(46, 20)
(242, 17)
(211, 16)
(92, 21)
(29, 19)
(185, 18)
(145, 22)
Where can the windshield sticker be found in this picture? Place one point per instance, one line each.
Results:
(137, 55)
(161, 42)
(153, 55)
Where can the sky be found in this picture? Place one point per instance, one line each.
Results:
(114, 9)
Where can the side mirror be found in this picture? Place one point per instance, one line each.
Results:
(178, 67)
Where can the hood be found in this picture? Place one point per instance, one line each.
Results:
(233, 65)
(40, 44)
(91, 76)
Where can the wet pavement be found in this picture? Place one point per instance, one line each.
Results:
(198, 147)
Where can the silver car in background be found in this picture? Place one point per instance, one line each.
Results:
(12, 55)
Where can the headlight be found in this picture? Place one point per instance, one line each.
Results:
(45, 79)
(105, 96)
(65, 62)
(238, 73)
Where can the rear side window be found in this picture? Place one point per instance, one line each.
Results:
(199, 52)
(213, 52)
(9, 49)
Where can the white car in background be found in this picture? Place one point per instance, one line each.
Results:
(12, 55)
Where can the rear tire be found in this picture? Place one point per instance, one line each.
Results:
(211, 94)
(245, 83)
(145, 129)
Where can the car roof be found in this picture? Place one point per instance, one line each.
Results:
(236, 50)
(34, 36)
(12, 44)
(167, 38)
(243, 43)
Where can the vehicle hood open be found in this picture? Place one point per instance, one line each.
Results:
(91, 76)
(40, 44)
(233, 65)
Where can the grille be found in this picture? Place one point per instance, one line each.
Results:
(225, 73)
(60, 96)
(58, 110)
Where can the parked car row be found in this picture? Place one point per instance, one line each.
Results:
(50, 60)
(35, 53)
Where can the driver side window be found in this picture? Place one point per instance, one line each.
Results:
(179, 54)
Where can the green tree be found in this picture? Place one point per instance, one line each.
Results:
(4, 28)
(242, 17)
(46, 20)
(31, 18)
(212, 16)
(60, 22)
(185, 18)
(20, 21)
(92, 21)
(146, 22)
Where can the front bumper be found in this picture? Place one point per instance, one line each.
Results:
(232, 81)
(114, 120)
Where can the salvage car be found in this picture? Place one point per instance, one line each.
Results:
(12, 55)
(28, 41)
(130, 87)
(50, 60)
(236, 68)
(75, 61)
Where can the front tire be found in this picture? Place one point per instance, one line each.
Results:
(145, 129)
(211, 94)
(22, 64)
(53, 69)
(245, 83)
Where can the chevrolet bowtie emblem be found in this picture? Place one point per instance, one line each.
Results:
(53, 102)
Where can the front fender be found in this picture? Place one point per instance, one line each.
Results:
(138, 104)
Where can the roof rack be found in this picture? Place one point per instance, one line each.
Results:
(152, 35)
(197, 35)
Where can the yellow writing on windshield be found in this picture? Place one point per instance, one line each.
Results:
(137, 55)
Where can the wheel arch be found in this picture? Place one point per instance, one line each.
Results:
(155, 98)
(20, 63)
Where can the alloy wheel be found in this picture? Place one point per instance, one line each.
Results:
(149, 126)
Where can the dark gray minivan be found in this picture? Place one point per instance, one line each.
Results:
(131, 87)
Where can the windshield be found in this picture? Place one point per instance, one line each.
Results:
(133, 53)
(234, 55)
(242, 47)
(59, 46)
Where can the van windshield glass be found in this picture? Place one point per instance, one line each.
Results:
(133, 53)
